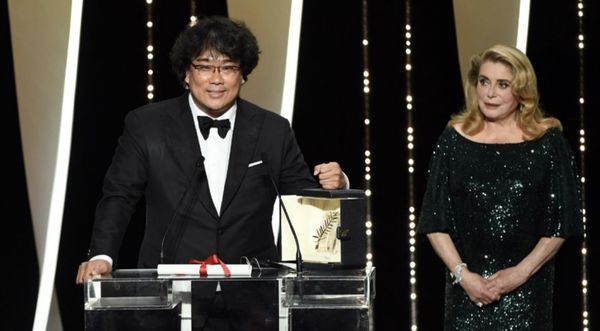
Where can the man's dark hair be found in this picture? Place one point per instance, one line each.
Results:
(220, 34)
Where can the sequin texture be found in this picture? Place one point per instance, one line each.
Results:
(496, 201)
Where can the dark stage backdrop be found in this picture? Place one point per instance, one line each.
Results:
(328, 123)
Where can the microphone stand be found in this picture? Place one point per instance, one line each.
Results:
(265, 158)
(299, 284)
(298, 253)
(199, 164)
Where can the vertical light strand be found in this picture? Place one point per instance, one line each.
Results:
(585, 316)
(193, 16)
(367, 140)
(367, 130)
(367, 137)
(150, 52)
(410, 140)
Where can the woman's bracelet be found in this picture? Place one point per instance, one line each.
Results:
(456, 274)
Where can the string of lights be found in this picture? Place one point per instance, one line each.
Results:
(367, 129)
(410, 138)
(367, 136)
(150, 52)
(584, 256)
(150, 45)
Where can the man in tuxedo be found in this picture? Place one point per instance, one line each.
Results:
(204, 162)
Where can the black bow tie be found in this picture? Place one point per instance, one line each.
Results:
(205, 123)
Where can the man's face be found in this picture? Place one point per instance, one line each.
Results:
(214, 81)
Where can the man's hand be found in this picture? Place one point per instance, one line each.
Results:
(92, 268)
(330, 176)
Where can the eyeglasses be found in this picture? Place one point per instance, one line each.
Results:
(209, 69)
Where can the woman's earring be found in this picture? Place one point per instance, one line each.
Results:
(521, 107)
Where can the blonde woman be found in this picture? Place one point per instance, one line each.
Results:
(501, 198)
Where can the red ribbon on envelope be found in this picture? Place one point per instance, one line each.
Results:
(213, 259)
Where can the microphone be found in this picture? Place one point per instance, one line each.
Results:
(265, 159)
(187, 188)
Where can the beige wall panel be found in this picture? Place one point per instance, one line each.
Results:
(45, 44)
(269, 20)
(483, 23)
(39, 32)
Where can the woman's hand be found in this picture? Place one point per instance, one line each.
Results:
(507, 280)
(477, 288)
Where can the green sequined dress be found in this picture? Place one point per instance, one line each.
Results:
(496, 201)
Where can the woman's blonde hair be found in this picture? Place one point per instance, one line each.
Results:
(530, 117)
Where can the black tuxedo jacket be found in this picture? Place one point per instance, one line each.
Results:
(158, 156)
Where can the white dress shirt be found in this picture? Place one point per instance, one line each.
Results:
(215, 151)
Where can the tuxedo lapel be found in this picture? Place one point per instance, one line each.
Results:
(182, 142)
(246, 130)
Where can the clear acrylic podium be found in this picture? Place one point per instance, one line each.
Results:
(140, 299)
